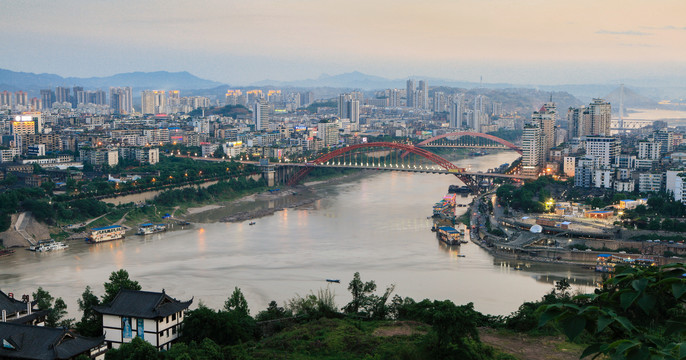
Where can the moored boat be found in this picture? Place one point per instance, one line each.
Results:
(107, 233)
(149, 228)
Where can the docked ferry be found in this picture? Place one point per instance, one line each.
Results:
(48, 245)
(106, 233)
(450, 235)
(149, 228)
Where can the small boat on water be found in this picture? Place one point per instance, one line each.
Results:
(459, 255)
(333, 281)
(251, 223)
(5, 252)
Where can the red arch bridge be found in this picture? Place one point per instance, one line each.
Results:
(390, 156)
(468, 139)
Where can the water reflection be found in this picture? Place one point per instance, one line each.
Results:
(376, 225)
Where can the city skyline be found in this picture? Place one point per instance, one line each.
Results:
(242, 43)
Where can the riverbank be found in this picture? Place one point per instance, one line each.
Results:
(284, 198)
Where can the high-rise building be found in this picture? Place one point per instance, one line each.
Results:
(545, 118)
(666, 138)
(455, 112)
(603, 149)
(77, 92)
(343, 100)
(439, 102)
(649, 150)
(423, 95)
(354, 111)
(532, 154)
(591, 120)
(600, 114)
(62, 94)
(411, 94)
(35, 104)
(121, 100)
(6, 98)
(47, 98)
(260, 114)
(21, 99)
(153, 102)
(328, 131)
(478, 114)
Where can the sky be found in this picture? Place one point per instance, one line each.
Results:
(239, 42)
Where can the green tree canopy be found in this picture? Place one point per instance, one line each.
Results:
(118, 280)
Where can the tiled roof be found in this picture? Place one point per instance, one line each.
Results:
(143, 304)
(40, 342)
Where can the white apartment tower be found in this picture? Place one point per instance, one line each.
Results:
(261, 114)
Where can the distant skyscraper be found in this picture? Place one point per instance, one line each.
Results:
(411, 94)
(343, 100)
(545, 118)
(260, 114)
(121, 100)
(21, 99)
(478, 114)
(423, 95)
(456, 111)
(47, 97)
(62, 94)
(77, 91)
(6, 98)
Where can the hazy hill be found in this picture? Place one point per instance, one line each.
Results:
(162, 80)
(632, 99)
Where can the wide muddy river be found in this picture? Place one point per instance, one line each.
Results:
(375, 224)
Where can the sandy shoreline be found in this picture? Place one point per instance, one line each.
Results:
(197, 210)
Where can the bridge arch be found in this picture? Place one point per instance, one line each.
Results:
(473, 134)
(436, 159)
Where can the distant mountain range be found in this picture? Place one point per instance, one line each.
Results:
(642, 94)
(361, 81)
(162, 80)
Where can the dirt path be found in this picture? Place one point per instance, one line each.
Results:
(525, 347)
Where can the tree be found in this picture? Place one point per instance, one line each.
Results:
(56, 312)
(222, 327)
(274, 311)
(219, 152)
(237, 302)
(360, 291)
(137, 349)
(91, 321)
(119, 280)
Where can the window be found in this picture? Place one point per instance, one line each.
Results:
(167, 319)
(173, 330)
(173, 316)
(167, 333)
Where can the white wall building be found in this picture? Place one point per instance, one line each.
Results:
(152, 316)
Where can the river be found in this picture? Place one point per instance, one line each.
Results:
(376, 224)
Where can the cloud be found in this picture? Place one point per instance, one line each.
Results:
(667, 27)
(636, 45)
(629, 33)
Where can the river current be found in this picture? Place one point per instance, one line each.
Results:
(376, 224)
